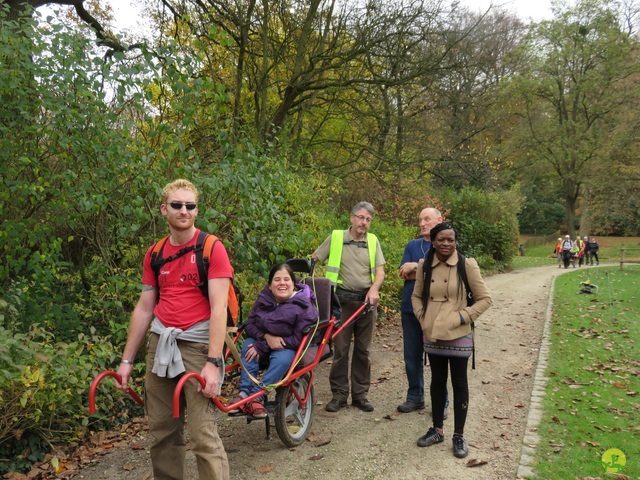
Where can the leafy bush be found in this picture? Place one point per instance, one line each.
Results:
(44, 391)
(542, 211)
(487, 224)
(393, 238)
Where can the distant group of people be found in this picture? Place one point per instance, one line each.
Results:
(583, 251)
(185, 327)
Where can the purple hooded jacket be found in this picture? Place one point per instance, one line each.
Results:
(286, 320)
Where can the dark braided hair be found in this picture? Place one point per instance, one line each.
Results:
(427, 270)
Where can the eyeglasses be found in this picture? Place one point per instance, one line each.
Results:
(362, 218)
(179, 205)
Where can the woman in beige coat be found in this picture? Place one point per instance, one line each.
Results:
(441, 305)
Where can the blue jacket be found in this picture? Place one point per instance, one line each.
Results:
(414, 251)
(286, 320)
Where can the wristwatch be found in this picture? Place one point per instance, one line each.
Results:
(217, 361)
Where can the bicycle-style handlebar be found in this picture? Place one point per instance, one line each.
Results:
(362, 309)
(96, 382)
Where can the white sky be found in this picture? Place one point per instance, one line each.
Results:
(127, 16)
(525, 9)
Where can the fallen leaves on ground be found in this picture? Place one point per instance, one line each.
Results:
(62, 464)
(317, 440)
(476, 462)
(264, 468)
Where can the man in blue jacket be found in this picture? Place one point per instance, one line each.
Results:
(411, 330)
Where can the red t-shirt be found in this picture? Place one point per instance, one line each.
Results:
(181, 302)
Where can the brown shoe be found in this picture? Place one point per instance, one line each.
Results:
(363, 404)
(334, 405)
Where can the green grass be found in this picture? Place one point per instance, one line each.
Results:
(592, 402)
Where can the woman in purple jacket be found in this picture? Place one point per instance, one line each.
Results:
(274, 331)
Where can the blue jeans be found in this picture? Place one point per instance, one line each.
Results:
(279, 363)
(413, 357)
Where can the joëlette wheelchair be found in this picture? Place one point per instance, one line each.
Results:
(294, 403)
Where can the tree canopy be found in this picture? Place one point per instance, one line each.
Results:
(284, 114)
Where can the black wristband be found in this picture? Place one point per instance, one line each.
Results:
(217, 361)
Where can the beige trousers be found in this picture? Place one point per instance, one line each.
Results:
(169, 445)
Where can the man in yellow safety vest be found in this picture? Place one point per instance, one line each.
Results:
(356, 269)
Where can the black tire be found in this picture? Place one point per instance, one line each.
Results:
(293, 421)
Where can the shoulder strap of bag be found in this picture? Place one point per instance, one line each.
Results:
(204, 248)
(462, 270)
(156, 256)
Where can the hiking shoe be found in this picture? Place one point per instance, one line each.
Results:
(460, 449)
(363, 404)
(408, 406)
(255, 409)
(334, 405)
(431, 438)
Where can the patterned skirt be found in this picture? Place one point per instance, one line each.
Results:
(460, 347)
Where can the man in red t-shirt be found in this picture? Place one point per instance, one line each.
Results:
(187, 335)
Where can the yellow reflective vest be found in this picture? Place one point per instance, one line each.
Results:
(335, 256)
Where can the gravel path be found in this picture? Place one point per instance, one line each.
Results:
(352, 444)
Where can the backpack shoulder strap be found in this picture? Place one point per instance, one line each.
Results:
(204, 248)
(156, 256)
(462, 270)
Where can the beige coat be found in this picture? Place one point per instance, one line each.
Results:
(441, 320)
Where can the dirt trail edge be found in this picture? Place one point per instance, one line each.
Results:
(352, 444)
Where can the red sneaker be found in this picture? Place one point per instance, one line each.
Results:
(255, 409)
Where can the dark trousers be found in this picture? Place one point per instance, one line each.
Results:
(413, 357)
(362, 333)
(566, 258)
(439, 371)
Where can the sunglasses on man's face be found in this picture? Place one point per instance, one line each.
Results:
(179, 205)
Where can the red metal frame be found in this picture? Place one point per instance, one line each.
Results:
(96, 382)
(291, 376)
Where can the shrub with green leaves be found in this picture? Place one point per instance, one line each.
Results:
(44, 389)
(487, 224)
(393, 238)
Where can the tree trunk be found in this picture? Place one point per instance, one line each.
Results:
(572, 190)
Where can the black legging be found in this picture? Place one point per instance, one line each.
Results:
(439, 372)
